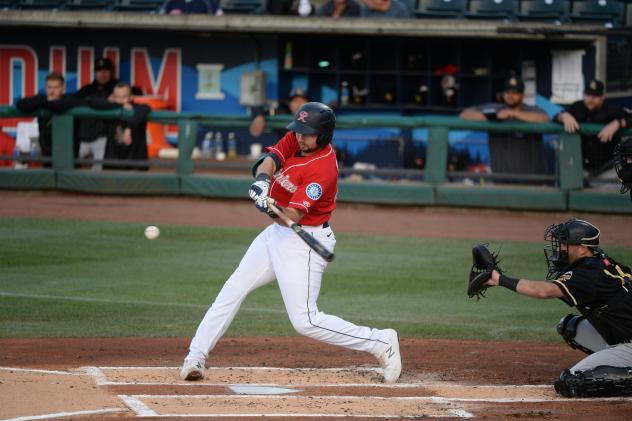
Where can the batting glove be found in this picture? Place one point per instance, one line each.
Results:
(260, 187)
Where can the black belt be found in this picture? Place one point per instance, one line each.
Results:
(325, 225)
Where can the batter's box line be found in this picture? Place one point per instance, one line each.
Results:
(135, 403)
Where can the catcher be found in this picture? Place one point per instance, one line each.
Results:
(600, 288)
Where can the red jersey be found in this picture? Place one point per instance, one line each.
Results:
(307, 183)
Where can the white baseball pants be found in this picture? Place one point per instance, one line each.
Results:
(278, 253)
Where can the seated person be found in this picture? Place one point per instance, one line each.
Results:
(514, 152)
(186, 7)
(340, 8)
(389, 9)
(597, 151)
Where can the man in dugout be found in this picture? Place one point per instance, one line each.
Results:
(600, 288)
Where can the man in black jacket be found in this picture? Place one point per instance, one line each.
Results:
(92, 132)
(55, 100)
(597, 151)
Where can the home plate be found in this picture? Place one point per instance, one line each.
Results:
(260, 390)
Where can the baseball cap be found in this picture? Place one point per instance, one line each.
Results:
(514, 84)
(103, 64)
(298, 92)
(594, 87)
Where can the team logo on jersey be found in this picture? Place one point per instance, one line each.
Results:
(302, 116)
(314, 191)
(568, 275)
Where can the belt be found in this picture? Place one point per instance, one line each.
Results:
(325, 225)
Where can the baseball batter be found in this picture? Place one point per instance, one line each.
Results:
(600, 288)
(300, 173)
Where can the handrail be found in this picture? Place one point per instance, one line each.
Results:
(342, 122)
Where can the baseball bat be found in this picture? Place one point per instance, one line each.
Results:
(313, 243)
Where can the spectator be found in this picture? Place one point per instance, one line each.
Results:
(54, 99)
(340, 8)
(187, 7)
(92, 132)
(390, 9)
(127, 138)
(297, 98)
(597, 151)
(512, 152)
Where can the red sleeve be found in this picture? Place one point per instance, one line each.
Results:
(285, 148)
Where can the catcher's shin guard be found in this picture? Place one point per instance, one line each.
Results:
(603, 380)
(567, 328)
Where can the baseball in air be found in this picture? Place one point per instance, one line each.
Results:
(152, 232)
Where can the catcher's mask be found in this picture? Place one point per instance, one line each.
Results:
(623, 164)
(573, 232)
(315, 118)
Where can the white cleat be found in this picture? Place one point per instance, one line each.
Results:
(391, 359)
(192, 370)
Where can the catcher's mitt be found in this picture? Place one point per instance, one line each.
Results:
(483, 262)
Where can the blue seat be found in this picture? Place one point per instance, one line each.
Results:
(137, 5)
(492, 9)
(41, 4)
(441, 8)
(7, 4)
(244, 7)
(545, 10)
(608, 12)
(88, 5)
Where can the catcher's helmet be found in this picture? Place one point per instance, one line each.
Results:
(623, 164)
(315, 118)
(574, 232)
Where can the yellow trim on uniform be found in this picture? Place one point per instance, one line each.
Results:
(620, 278)
(561, 285)
(622, 273)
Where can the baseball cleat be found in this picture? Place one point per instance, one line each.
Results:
(391, 359)
(192, 370)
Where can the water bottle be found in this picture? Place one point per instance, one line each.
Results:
(232, 146)
(218, 147)
(344, 93)
(207, 144)
(16, 158)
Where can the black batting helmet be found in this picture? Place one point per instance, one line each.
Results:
(315, 118)
(574, 232)
(623, 164)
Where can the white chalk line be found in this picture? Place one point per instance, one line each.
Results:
(37, 370)
(66, 414)
(136, 405)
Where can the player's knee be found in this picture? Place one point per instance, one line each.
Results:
(303, 326)
(600, 381)
(567, 328)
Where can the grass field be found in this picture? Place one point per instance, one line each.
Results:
(72, 278)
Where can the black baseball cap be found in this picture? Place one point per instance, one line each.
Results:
(514, 84)
(594, 87)
(298, 92)
(103, 64)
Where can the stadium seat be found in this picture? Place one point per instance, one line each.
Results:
(88, 5)
(410, 4)
(492, 9)
(7, 4)
(608, 12)
(544, 10)
(41, 4)
(137, 5)
(244, 7)
(441, 8)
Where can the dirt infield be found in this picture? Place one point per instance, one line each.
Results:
(293, 377)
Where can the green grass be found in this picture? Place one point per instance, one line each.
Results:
(78, 278)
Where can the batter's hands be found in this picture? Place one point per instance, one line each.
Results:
(260, 188)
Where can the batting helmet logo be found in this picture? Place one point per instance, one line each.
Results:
(302, 116)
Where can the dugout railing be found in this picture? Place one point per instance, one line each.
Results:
(567, 193)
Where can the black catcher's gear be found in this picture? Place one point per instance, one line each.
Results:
(602, 380)
(567, 328)
(574, 232)
(315, 118)
(483, 263)
(623, 164)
